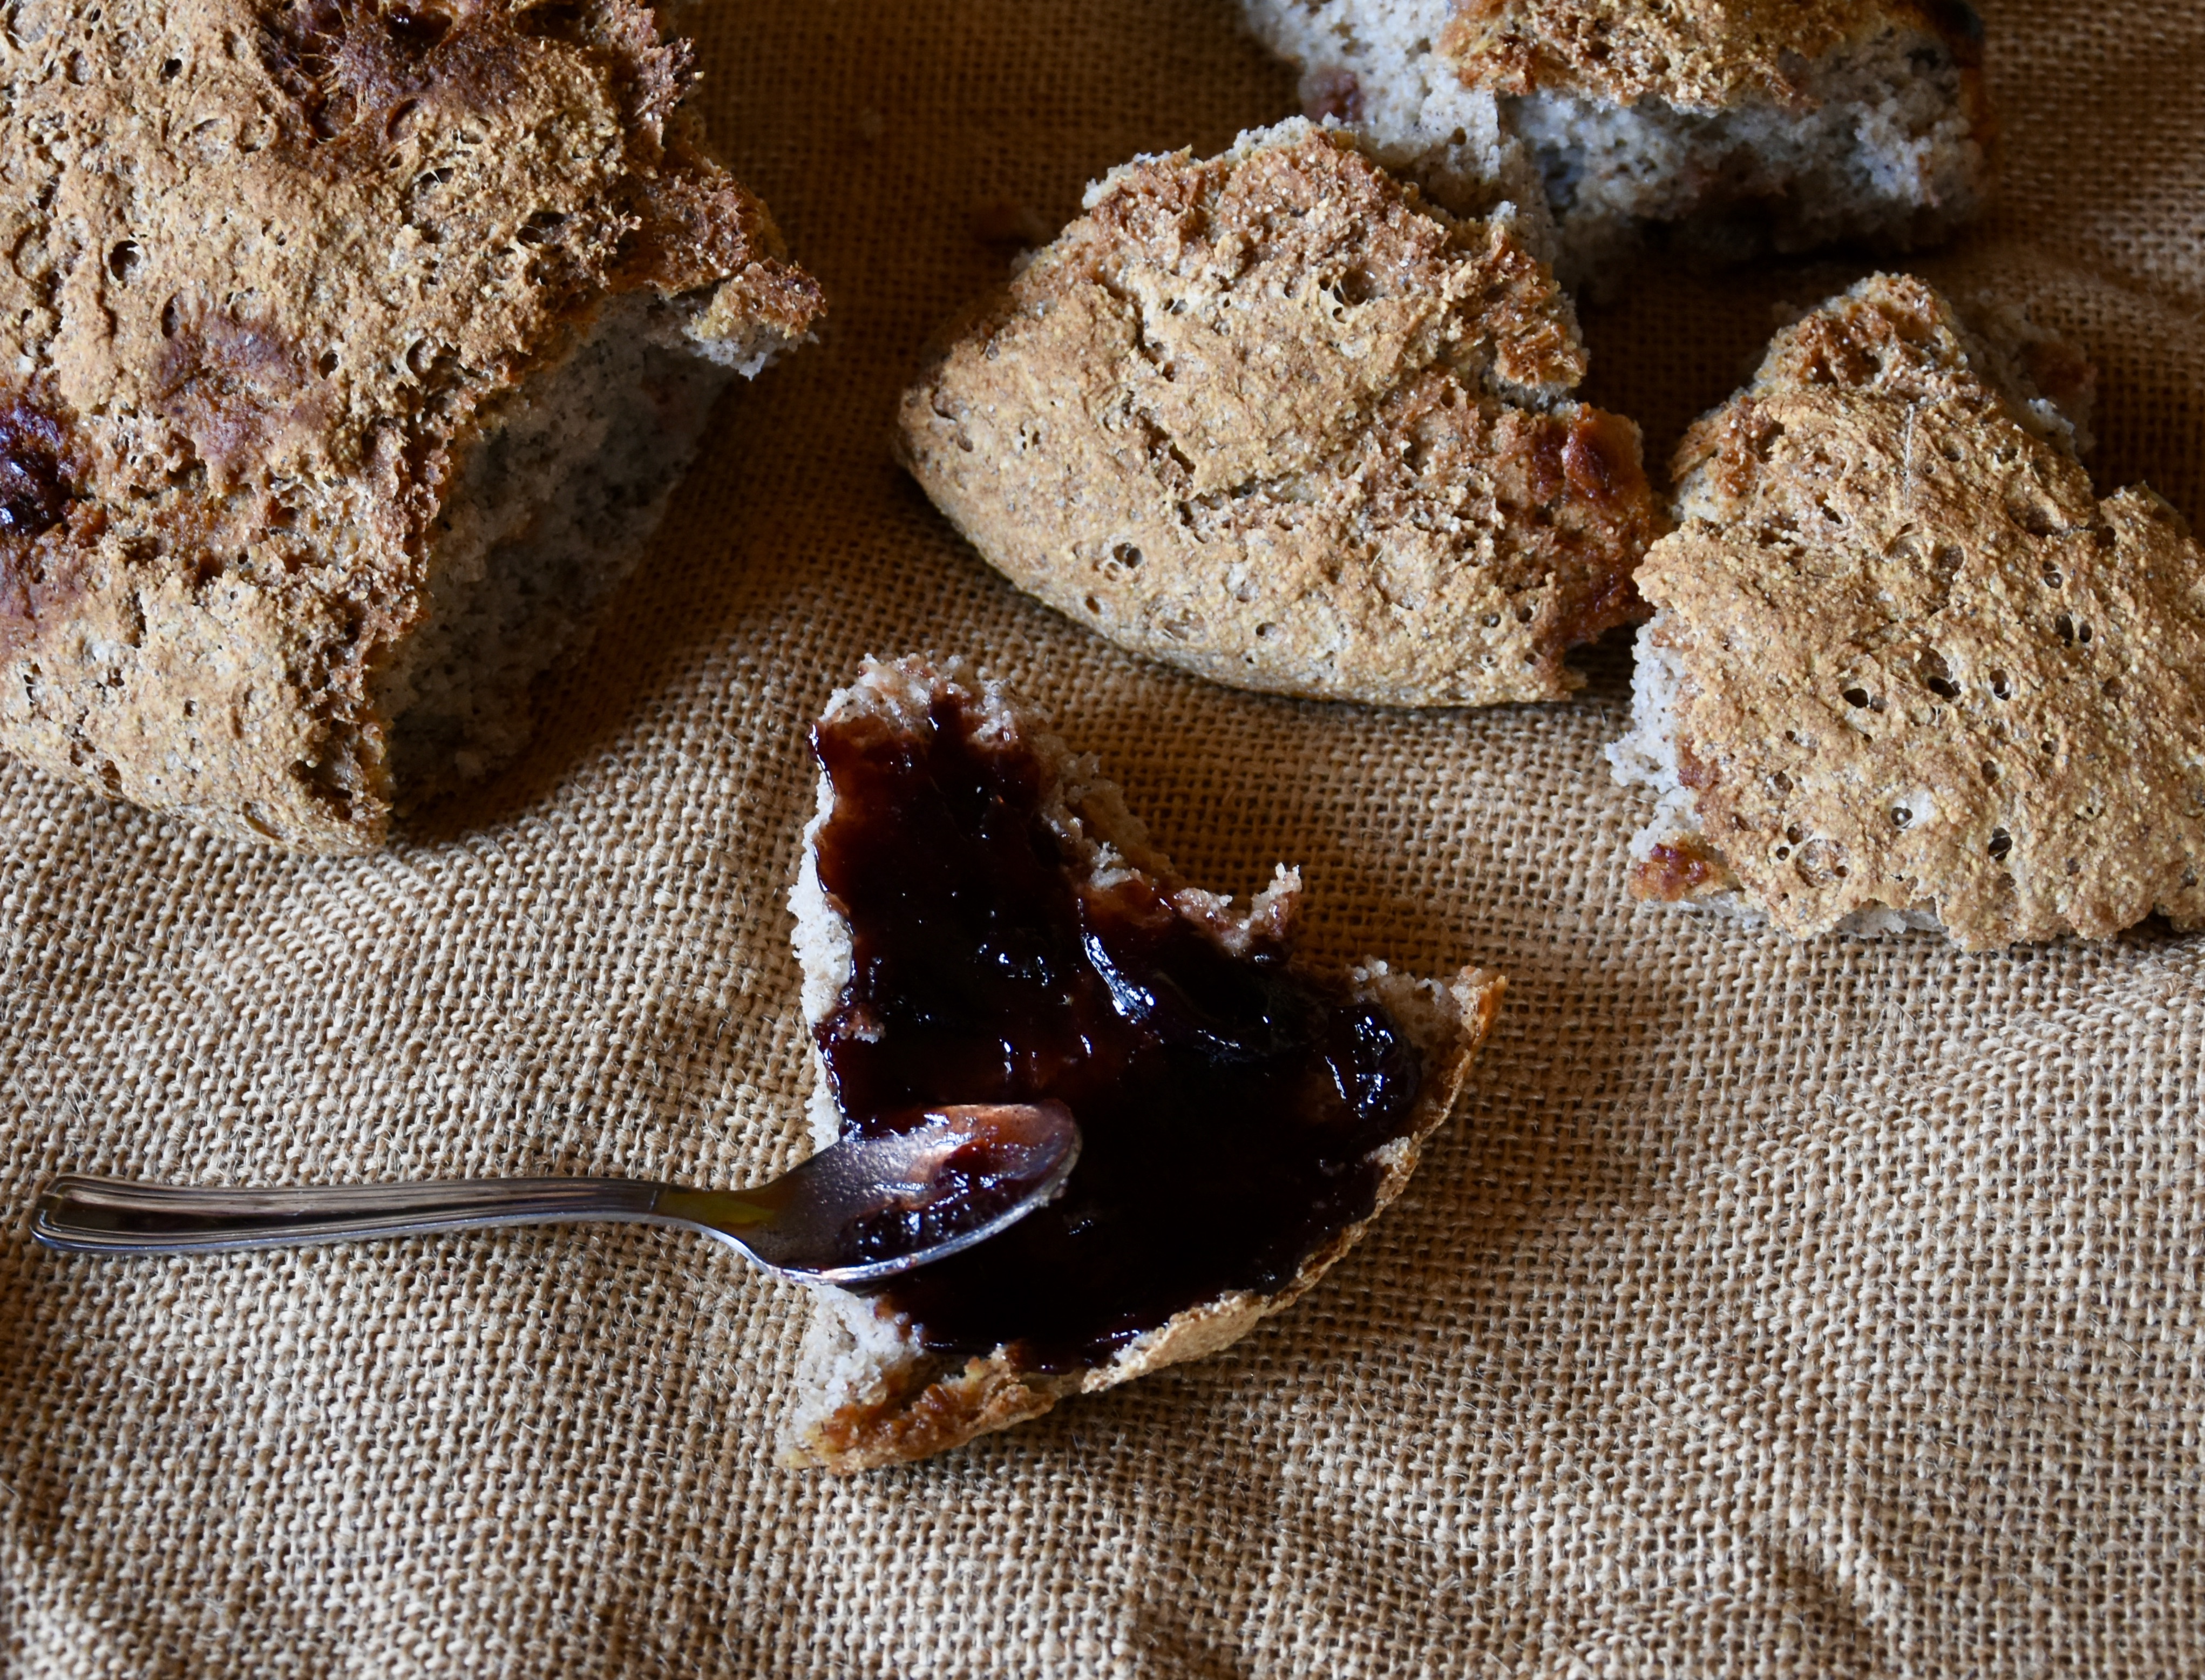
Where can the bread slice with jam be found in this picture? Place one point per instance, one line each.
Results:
(980, 919)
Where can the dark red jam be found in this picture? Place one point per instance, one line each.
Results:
(1228, 1107)
(976, 1182)
(34, 491)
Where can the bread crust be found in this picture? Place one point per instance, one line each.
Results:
(1923, 665)
(1699, 55)
(1274, 419)
(870, 1395)
(272, 269)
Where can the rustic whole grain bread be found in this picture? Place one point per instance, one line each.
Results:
(349, 352)
(1375, 67)
(872, 1394)
(1736, 127)
(1907, 668)
(1279, 421)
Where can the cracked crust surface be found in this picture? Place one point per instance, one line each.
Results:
(1913, 660)
(870, 1395)
(272, 267)
(1700, 55)
(1272, 418)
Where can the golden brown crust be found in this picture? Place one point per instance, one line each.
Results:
(1699, 54)
(1923, 665)
(926, 1414)
(1269, 418)
(269, 266)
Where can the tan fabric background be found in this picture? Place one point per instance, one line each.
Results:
(1768, 1308)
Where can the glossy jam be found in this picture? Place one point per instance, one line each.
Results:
(1228, 1107)
(34, 491)
(1669, 875)
(977, 1183)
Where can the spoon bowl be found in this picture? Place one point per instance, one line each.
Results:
(863, 1209)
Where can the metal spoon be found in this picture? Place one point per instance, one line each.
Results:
(865, 1208)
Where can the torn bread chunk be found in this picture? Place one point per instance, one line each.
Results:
(1374, 67)
(979, 919)
(352, 352)
(1735, 128)
(1276, 419)
(1906, 668)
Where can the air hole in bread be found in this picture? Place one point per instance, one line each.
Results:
(1937, 674)
(1356, 286)
(540, 227)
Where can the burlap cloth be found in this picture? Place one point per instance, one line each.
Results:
(1767, 1308)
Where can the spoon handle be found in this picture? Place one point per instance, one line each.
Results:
(114, 1216)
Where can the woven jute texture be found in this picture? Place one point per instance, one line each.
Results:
(1766, 1309)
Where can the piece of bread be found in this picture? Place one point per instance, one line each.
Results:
(1374, 67)
(1737, 126)
(1276, 419)
(1907, 669)
(872, 1393)
(349, 352)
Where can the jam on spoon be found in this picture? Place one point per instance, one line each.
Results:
(865, 1209)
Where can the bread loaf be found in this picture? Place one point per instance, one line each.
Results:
(347, 355)
(1736, 128)
(1279, 421)
(1907, 668)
